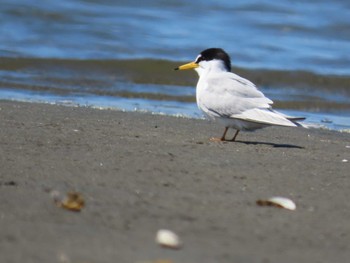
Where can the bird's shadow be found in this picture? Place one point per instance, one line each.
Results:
(275, 145)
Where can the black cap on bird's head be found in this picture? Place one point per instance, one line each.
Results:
(215, 53)
(207, 55)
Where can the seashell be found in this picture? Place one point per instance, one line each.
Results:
(278, 201)
(168, 239)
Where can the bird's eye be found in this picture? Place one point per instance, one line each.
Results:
(199, 59)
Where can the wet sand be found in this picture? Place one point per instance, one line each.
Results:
(141, 172)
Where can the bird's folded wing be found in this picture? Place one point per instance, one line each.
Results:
(232, 84)
(227, 94)
(264, 116)
(291, 118)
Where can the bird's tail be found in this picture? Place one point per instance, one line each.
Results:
(296, 121)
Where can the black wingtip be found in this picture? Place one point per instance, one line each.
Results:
(176, 68)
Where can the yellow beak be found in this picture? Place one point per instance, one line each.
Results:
(190, 65)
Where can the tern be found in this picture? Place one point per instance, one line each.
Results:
(230, 99)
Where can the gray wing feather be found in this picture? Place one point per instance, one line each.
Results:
(229, 94)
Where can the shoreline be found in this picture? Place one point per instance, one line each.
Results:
(313, 120)
(140, 172)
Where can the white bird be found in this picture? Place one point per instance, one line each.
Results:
(234, 101)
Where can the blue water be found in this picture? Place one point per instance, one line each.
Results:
(296, 36)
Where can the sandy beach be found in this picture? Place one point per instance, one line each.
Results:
(140, 172)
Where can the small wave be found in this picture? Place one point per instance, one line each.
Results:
(150, 71)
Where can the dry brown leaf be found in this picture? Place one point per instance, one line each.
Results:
(73, 201)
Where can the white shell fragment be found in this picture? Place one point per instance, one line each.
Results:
(167, 238)
(278, 201)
